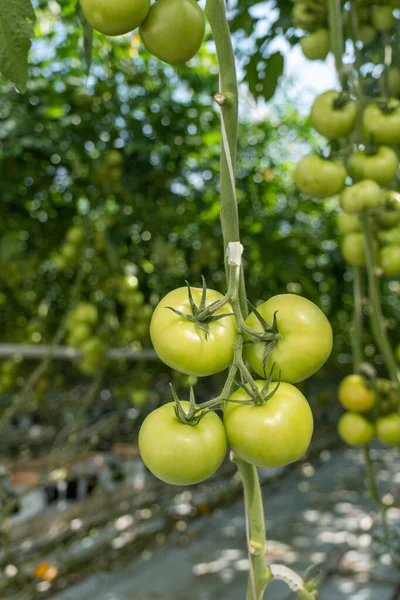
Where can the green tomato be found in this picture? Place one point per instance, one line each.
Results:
(117, 17)
(353, 249)
(174, 30)
(315, 46)
(181, 454)
(333, 116)
(75, 235)
(388, 237)
(355, 430)
(139, 398)
(273, 434)
(347, 223)
(388, 218)
(79, 334)
(355, 395)
(84, 312)
(390, 259)
(60, 262)
(382, 18)
(380, 167)
(366, 34)
(305, 343)
(388, 429)
(69, 252)
(182, 345)
(393, 82)
(381, 123)
(361, 196)
(94, 351)
(319, 177)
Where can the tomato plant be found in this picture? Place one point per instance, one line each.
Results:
(178, 453)
(304, 342)
(355, 395)
(115, 18)
(188, 346)
(319, 177)
(273, 434)
(174, 30)
(333, 115)
(355, 430)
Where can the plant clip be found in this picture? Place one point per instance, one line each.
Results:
(201, 315)
(190, 417)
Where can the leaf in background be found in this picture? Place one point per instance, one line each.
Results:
(263, 82)
(87, 37)
(16, 29)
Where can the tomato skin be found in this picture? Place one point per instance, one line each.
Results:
(315, 46)
(388, 237)
(366, 34)
(271, 435)
(382, 127)
(381, 167)
(181, 454)
(382, 18)
(388, 429)
(354, 395)
(306, 341)
(332, 122)
(355, 430)
(182, 346)
(361, 196)
(318, 177)
(115, 18)
(347, 223)
(352, 248)
(390, 259)
(174, 30)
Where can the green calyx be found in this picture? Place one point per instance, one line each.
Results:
(202, 315)
(270, 336)
(265, 393)
(194, 415)
(341, 100)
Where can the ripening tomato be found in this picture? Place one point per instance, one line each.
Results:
(305, 343)
(117, 17)
(355, 430)
(174, 30)
(388, 429)
(355, 395)
(319, 177)
(273, 434)
(390, 259)
(381, 166)
(333, 115)
(315, 46)
(366, 34)
(181, 454)
(382, 18)
(381, 122)
(347, 223)
(353, 249)
(182, 345)
(361, 196)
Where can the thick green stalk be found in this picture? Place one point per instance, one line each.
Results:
(377, 318)
(229, 103)
(357, 321)
(260, 575)
(336, 36)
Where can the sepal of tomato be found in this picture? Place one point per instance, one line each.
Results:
(273, 434)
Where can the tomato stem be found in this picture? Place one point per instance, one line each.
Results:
(357, 332)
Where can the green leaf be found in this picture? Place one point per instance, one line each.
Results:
(16, 30)
(263, 81)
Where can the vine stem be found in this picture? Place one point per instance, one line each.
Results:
(357, 321)
(336, 36)
(377, 318)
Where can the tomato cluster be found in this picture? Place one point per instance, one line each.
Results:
(172, 30)
(372, 411)
(195, 331)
